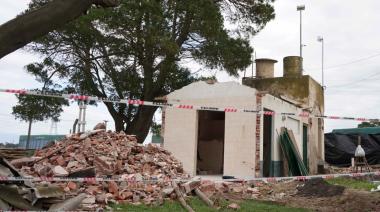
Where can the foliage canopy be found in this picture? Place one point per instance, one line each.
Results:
(139, 50)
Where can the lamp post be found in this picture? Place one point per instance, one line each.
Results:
(320, 39)
(301, 8)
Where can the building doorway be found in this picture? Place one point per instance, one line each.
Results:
(267, 145)
(304, 146)
(210, 149)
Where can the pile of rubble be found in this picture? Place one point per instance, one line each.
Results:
(131, 172)
(146, 172)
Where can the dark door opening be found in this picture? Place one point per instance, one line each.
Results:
(267, 145)
(210, 150)
(304, 147)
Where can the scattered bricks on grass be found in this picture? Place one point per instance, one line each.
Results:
(107, 154)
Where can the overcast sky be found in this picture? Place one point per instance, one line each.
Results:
(352, 60)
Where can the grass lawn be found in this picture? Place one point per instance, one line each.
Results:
(198, 205)
(352, 183)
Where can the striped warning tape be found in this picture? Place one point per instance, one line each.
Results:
(179, 106)
(153, 179)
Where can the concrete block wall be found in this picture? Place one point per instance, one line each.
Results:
(291, 122)
(180, 136)
(182, 125)
(240, 140)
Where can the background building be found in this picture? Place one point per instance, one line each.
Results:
(246, 144)
(38, 141)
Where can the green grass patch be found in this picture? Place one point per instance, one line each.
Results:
(198, 205)
(352, 183)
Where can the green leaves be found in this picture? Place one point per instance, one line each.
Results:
(136, 50)
(35, 108)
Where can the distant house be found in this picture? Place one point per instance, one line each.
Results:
(156, 140)
(38, 141)
(244, 144)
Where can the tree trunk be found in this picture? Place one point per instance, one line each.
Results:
(29, 132)
(141, 124)
(119, 124)
(27, 27)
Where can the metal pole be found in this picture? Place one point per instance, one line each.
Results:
(80, 117)
(301, 8)
(301, 33)
(105, 123)
(84, 117)
(323, 63)
(321, 39)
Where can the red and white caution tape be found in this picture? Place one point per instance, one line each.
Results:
(153, 180)
(179, 106)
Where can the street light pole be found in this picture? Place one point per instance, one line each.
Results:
(320, 39)
(301, 8)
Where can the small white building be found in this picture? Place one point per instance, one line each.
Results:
(239, 144)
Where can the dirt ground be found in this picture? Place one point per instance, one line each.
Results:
(320, 196)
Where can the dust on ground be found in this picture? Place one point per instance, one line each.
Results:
(318, 195)
(319, 188)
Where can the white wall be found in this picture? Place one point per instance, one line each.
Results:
(181, 130)
(291, 122)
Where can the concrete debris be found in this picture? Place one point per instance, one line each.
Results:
(59, 171)
(48, 191)
(25, 195)
(150, 175)
(234, 206)
(99, 153)
(4, 206)
(69, 204)
(100, 126)
(4, 171)
(18, 163)
(10, 194)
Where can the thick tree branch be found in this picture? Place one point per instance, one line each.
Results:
(31, 25)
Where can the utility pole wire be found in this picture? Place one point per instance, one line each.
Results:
(349, 63)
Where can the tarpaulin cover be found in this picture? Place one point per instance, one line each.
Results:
(364, 130)
(340, 148)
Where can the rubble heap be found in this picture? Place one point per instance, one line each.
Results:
(110, 154)
(106, 154)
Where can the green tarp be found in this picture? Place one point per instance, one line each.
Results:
(365, 130)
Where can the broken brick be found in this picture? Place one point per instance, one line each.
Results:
(113, 188)
(60, 161)
(72, 186)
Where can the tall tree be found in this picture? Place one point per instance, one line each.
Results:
(25, 28)
(35, 108)
(137, 50)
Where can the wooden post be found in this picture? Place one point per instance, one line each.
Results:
(203, 197)
(27, 146)
(180, 197)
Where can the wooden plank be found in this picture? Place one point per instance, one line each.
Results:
(180, 197)
(294, 141)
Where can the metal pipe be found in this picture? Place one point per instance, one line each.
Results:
(321, 39)
(75, 126)
(80, 117)
(301, 8)
(323, 64)
(84, 117)
(301, 33)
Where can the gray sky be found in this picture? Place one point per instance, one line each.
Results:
(352, 60)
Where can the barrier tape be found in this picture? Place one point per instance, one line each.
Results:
(179, 106)
(153, 179)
